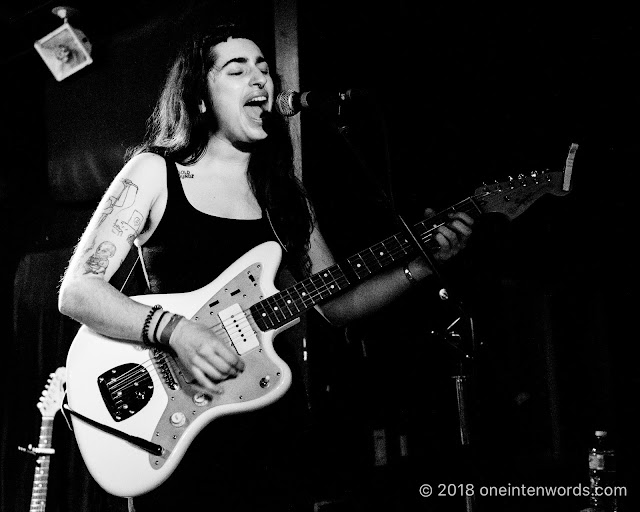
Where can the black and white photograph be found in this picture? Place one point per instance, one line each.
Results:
(319, 256)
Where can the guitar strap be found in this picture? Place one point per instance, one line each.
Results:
(144, 270)
(274, 231)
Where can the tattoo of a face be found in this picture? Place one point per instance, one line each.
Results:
(98, 262)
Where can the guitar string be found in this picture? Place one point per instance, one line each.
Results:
(130, 378)
(133, 376)
(317, 293)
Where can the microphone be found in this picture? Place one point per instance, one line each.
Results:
(289, 103)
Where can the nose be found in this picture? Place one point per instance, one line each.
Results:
(258, 78)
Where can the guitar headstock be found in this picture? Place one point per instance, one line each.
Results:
(53, 394)
(514, 196)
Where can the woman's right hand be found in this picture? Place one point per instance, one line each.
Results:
(209, 360)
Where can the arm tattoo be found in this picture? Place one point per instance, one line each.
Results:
(98, 262)
(127, 224)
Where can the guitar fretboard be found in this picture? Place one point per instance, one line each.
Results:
(41, 476)
(290, 303)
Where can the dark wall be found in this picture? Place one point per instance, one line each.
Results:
(471, 94)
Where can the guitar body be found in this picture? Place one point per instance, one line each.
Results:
(146, 393)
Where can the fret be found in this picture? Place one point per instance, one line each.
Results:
(300, 296)
(294, 300)
(372, 260)
(274, 311)
(41, 475)
(261, 316)
(359, 266)
(312, 286)
(305, 294)
(289, 303)
(319, 288)
(281, 307)
(339, 278)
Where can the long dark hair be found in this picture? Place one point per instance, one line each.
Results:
(179, 131)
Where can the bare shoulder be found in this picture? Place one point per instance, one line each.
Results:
(144, 167)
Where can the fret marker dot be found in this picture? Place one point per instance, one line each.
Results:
(381, 253)
(358, 265)
(332, 286)
(289, 301)
(264, 314)
(275, 308)
(304, 293)
(325, 274)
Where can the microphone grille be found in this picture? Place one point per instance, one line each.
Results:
(284, 104)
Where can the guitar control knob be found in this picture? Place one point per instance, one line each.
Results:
(178, 419)
(200, 399)
(264, 381)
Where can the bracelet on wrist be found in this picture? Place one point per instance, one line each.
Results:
(166, 333)
(155, 339)
(409, 275)
(147, 322)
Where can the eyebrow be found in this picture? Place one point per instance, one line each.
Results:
(242, 60)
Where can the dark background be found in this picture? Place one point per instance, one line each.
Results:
(457, 96)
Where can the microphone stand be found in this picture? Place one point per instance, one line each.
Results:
(450, 336)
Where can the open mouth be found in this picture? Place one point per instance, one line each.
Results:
(256, 107)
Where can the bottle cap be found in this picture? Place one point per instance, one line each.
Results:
(601, 433)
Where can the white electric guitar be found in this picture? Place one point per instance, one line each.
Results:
(135, 411)
(50, 403)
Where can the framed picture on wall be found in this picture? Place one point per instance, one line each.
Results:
(65, 51)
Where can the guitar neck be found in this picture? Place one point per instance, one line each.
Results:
(41, 476)
(283, 307)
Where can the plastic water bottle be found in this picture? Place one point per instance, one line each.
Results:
(602, 474)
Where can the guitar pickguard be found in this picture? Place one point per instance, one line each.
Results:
(186, 402)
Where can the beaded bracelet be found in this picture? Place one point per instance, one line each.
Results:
(166, 333)
(145, 328)
(409, 275)
(155, 331)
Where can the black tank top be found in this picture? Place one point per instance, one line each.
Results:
(189, 248)
(243, 462)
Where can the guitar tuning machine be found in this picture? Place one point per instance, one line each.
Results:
(496, 184)
(522, 180)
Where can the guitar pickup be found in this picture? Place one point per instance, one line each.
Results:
(238, 329)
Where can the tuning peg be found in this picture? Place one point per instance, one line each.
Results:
(534, 176)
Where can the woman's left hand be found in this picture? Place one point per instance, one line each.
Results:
(452, 236)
